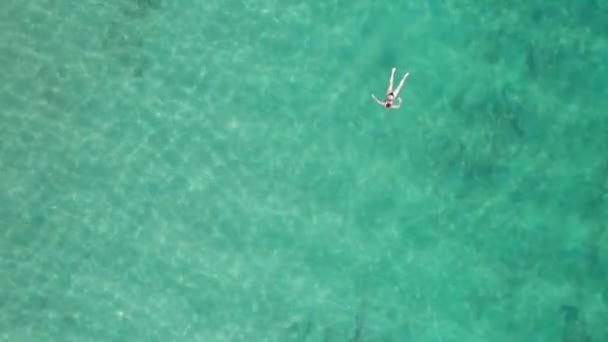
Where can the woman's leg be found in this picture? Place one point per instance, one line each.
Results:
(390, 83)
(401, 84)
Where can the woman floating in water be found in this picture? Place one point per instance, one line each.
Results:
(390, 94)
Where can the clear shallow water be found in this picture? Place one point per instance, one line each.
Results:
(217, 171)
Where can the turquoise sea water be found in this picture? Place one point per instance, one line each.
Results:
(217, 171)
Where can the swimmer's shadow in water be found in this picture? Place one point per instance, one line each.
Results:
(310, 329)
(125, 47)
(139, 9)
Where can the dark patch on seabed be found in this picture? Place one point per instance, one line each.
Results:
(141, 8)
(573, 325)
(125, 38)
(311, 329)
